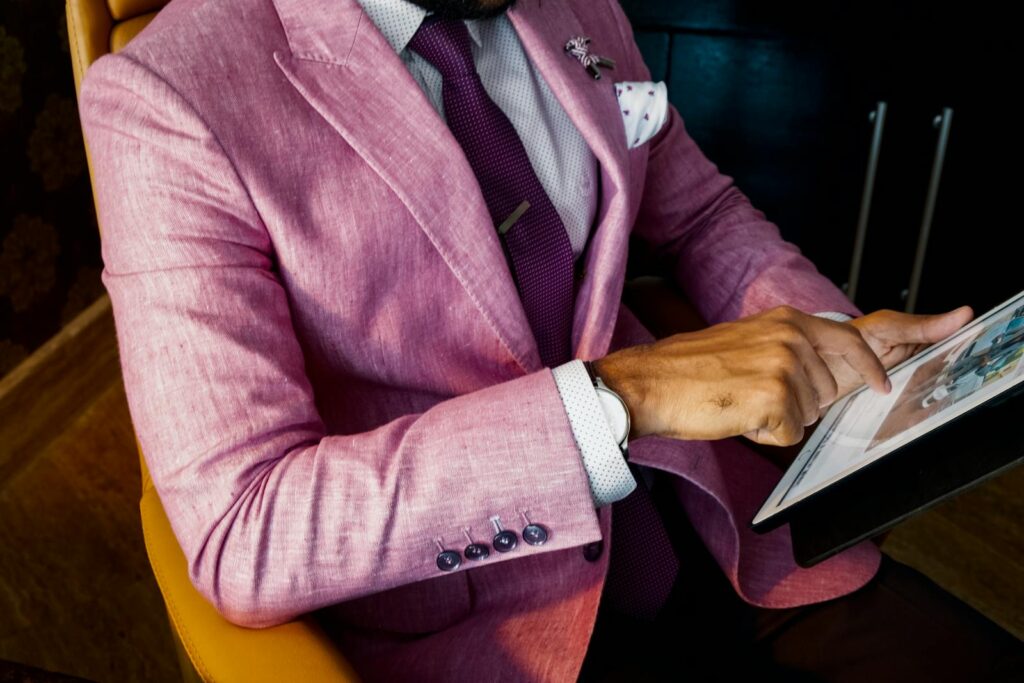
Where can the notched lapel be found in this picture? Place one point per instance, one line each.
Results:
(348, 72)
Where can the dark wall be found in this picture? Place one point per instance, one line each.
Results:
(49, 246)
(778, 95)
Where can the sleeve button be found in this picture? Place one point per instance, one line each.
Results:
(476, 551)
(449, 560)
(592, 551)
(505, 541)
(535, 534)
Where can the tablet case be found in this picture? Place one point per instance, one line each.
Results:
(978, 445)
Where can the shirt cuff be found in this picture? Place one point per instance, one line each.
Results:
(610, 478)
(834, 315)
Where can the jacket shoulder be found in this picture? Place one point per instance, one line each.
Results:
(198, 45)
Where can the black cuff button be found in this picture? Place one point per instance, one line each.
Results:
(449, 560)
(505, 541)
(476, 551)
(535, 534)
(592, 551)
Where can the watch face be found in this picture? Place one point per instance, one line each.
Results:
(615, 411)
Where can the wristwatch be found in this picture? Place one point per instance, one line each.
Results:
(614, 409)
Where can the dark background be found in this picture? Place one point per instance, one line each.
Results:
(777, 93)
(49, 245)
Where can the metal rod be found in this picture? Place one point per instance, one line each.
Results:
(878, 118)
(943, 123)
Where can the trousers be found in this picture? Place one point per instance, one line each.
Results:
(900, 627)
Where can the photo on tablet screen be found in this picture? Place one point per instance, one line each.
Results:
(991, 354)
(981, 361)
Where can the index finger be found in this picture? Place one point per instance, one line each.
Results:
(845, 340)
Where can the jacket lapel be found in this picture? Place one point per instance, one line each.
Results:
(544, 26)
(337, 57)
(343, 66)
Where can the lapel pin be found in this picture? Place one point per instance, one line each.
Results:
(579, 47)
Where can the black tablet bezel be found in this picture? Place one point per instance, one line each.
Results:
(956, 456)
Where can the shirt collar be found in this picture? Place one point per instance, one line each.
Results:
(398, 21)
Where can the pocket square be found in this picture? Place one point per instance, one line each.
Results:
(644, 107)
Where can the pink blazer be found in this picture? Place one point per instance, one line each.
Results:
(326, 360)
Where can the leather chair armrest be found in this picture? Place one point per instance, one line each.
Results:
(219, 650)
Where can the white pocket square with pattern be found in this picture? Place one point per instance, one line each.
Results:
(644, 107)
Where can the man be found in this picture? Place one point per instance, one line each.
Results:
(349, 290)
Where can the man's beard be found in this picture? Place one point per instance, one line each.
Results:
(465, 9)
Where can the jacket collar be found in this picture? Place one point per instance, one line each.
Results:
(337, 55)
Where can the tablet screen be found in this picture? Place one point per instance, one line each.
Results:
(983, 359)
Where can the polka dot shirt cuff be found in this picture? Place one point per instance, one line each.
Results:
(610, 478)
(834, 315)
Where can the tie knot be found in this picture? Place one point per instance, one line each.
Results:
(445, 44)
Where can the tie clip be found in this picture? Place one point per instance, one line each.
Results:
(507, 224)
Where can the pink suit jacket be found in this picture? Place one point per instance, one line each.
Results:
(326, 360)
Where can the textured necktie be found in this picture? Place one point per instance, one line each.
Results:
(537, 244)
(643, 565)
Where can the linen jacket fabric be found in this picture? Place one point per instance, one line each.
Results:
(326, 360)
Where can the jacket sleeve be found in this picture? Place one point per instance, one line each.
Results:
(276, 516)
(728, 258)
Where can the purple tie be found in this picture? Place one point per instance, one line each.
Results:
(643, 565)
(537, 244)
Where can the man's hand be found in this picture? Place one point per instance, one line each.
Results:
(894, 337)
(767, 376)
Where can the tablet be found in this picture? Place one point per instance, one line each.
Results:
(978, 363)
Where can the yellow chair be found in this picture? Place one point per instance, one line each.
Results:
(209, 647)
